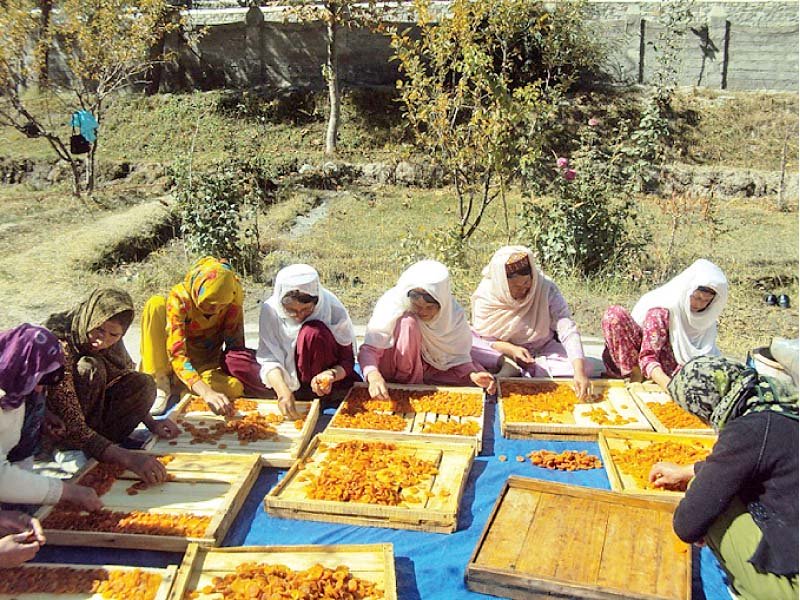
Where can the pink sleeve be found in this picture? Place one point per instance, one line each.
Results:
(565, 327)
(368, 358)
(655, 335)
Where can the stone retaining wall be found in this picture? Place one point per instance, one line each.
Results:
(735, 45)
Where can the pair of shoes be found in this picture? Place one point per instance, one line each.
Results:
(773, 300)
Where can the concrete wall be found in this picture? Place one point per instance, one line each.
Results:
(735, 45)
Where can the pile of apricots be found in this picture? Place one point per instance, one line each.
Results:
(279, 582)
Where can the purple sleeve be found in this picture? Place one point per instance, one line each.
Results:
(561, 320)
(368, 358)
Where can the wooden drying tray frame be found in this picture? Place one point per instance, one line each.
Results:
(196, 554)
(221, 519)
(520, 430)
(475, 440)
(507, 583)
(282, 460)
(457, 458)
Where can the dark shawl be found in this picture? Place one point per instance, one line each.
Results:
(74, 326)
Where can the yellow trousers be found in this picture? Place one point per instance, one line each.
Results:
(156, 362)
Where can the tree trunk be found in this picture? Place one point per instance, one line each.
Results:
(332, 75)
(45, 6)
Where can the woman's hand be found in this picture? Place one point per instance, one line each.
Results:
(82, 496)
(520, 355)
(219, 403)
(661, 378)
(322, 383)
(484, 380)
(15, 521)
(377, 386)
(17, 548)
(581, 384)
(671, 476)
(148, 468)
(163, 428)
(288, 407)
(53, 427)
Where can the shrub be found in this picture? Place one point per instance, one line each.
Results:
(219, 208)
(589, 224)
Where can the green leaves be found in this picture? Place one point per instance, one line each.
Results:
(479, 84)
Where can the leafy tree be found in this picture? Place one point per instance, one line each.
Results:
(481, 84)
(106, 45)
(336, 15)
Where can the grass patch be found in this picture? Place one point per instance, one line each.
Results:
(744, 129)
(368, 239)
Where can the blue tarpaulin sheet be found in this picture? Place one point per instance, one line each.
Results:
(430, 566)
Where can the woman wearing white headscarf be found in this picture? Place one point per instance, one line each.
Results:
(668, 327)
(418, 333)
(306, 339)
(519, 313)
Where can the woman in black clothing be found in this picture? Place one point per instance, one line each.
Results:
(743, 499)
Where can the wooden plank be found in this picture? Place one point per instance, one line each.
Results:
(167, 579)
(373, 562)
(616, 440)
(578, 543)
(280, 452)
(220, 500)
(415, 422)
(438, 512)
(509, 527)
(576, 423)
(234, 500)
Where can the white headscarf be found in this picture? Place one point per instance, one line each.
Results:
(277, 331)
(496, 314)
(446, 339)
(691, 334)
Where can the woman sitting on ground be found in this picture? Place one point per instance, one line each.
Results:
(519, 313)
(197, 333)
(306, 342)
(102, 399)
(742, 500)
(30, 358)
(418, 334)
(668, 327)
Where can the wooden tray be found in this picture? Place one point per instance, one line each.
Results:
(576, 426)
(280, 452)
(213, 485)
(167, 574)
(417, 421)
(373, 562)
(646, 392)
(438, 513)
(551, 540)
(618, 440)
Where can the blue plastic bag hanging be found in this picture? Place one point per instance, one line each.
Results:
(86, 123)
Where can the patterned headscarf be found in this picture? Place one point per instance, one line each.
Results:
(27, 353)
(211, 283)
(74, 326)
(719, 390)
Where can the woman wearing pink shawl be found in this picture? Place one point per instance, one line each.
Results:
(418, 334)
(519, 313)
